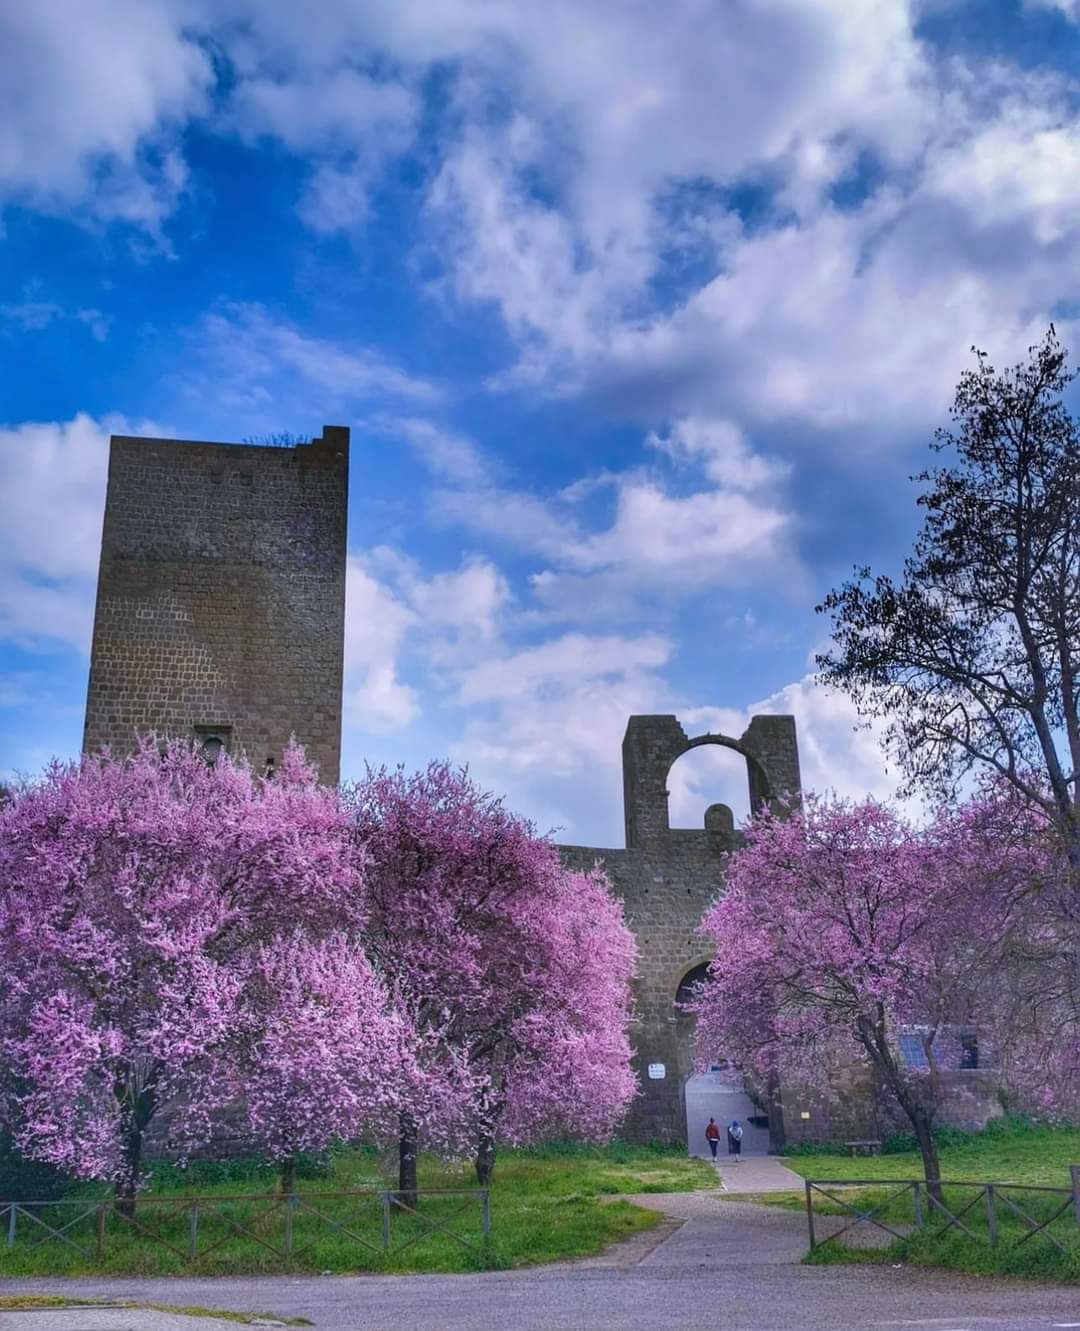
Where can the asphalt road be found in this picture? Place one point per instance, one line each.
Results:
(728, 1267)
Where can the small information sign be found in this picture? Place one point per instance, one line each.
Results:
(657, 1071)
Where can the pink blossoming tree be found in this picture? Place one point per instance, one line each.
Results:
(515, 972)
(139, 898)
(317, 1052)
(842, 925)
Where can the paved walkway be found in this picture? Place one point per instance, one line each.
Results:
(759, 1173)
(718, 1264)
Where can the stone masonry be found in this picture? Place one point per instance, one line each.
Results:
(221, 597)
(667, 877)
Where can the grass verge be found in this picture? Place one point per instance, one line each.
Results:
(1007, 1153)
(546, 1205)
(35, 1302)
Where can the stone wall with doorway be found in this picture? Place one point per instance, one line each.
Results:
(668, 877)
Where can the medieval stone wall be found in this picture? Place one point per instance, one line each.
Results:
(221, 597)
(667, 878)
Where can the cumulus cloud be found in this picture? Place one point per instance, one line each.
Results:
(399, 619)
(52, 476)
(90, 105)
(657, 540)
(544, 725)
(376, 623)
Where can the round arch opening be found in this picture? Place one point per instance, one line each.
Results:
(719, 1092)
(705, 779)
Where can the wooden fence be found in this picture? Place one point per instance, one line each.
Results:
(376, 1221)
(988, 1213)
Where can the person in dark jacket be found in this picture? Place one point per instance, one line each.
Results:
(734, 1140)
(712, 1136)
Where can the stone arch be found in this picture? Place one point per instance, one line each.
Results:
(761, 790)
(683, 1023)
(652, 744)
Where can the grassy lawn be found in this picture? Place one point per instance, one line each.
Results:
(546, 1205)
(1006, 1153)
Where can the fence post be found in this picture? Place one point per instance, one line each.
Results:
(290, 1207)
(193, 1234)
(386, 1222)
(487, 1212)
(99, 1239)
(1074, 1171)
(810, 1214)
(12, 1220)
(916, 1203)
(991, 1215)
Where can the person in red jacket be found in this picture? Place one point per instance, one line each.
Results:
(712, 1136)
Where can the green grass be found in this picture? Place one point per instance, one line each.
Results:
(546, 1205)
(1008, 1152)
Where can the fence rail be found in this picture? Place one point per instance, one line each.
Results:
(377, 1220)
(907, 1206)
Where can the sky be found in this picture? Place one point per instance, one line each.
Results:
(642, 315)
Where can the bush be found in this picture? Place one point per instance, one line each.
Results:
(23, 1180)
(241, 1169)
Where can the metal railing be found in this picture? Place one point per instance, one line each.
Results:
(942, 1209)
(377, 1220)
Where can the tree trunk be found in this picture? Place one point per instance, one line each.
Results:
(485, 1159)
(288, 1176)
(775, 1105)
(928, 1150)
(127, 1181)
(136, 1110)
(408, 1149)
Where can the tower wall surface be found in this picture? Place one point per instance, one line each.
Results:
(221, 597)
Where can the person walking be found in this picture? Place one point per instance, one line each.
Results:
(712, 1136)
(734, 1140)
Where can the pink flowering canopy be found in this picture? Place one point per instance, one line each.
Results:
(320, 1054)
(135, 895)
(511, 965)
(842, 924)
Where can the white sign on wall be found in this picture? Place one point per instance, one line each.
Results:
(657, 1071)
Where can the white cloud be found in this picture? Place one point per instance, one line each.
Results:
(52, 477)
(656, 542)
(90, 102)
(246, 362)
(721, 449)
(1070, 8)
(446, 453)
(33, 316)
(350, 125)
(561, 662)
(375, 627)
(396, 617)
(545, 724)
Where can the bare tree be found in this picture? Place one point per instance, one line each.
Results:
(973, 656)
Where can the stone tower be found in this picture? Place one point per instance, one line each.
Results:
(667, 877)
(221, 597)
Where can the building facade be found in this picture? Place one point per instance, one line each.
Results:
(220, 612)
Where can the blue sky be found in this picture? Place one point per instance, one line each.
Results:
(641, 316)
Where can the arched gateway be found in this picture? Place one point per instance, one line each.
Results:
(667, 877)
